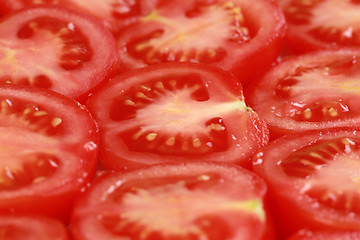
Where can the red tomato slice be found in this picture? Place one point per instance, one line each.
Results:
(310, 92)
(322, 24)
(175, 112)
(113, 13)
(31, 228)
(57, 49)
(241, 36)
(330, 235)
(183, 201)
(48, 151)
(313, 180)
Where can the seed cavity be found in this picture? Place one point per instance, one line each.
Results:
(204, 177)
(129, 102)
(151, 136)
(170, 141)
(56, 122)
(196, 142)
(159, 85)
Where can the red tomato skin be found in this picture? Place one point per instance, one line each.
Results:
(103, 64)
(31, 227)
(120, 158)
(56, 201)
(87, 200)
(290, 210)
(245, 61)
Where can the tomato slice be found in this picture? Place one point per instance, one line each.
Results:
(322, 24)
(48, 151)
(309, 92)
(313, 180)
(14, 227)
(240, 36)
(328, 235)
(182, 201)
(114, 14)
(175, 112)
(55, 48)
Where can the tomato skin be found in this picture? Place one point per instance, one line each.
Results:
(219, 87)
(93, 209)
(20, 227)
(71, 62)
(59, 134)
(291, 205)
(330, 235)
(311, 84)
(246, 60)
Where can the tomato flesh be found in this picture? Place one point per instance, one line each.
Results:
(325, 235)
(163, 202)
(18, 227)
(175, 112)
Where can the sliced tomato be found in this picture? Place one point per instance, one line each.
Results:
(55, 48)
(322, 24)
(310, 92)
(31, 228)
(325, 235)
(175, 112)
(114, 14)
(48, 151)
(240, 36)
(182, 201)
(313, 180)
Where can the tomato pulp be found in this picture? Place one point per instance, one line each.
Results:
(19, 227)
(325, 235)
